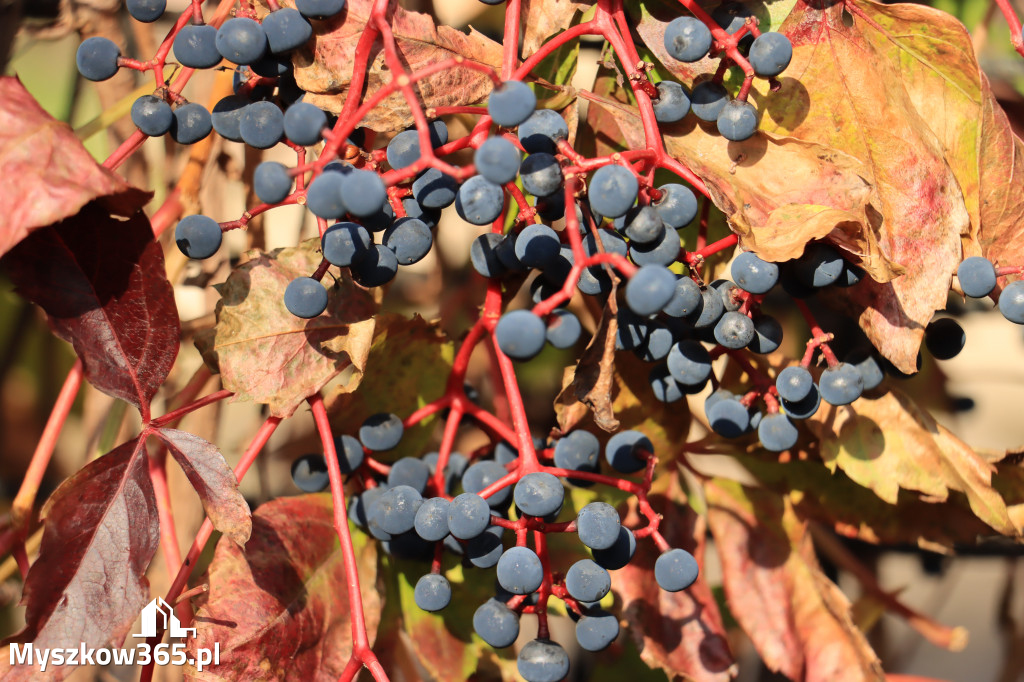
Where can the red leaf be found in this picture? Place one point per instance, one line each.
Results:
(279, 608)
(48, 175)
(679, 632)
(88, 584)
(102, 282)
(216, 484)
(797, 618)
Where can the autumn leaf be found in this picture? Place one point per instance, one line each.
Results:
(887, 443)
(325, 74)
(407, 367)
(265, 353)
(798, 619)
(48, 174)
(542, 19)
(102, 283)
(88, 584)
(278, 607)
(216, 484)
(679, 632)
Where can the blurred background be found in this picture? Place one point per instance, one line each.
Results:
(980, 392)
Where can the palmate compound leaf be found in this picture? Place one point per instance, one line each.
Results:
(88, 584)
(48, 174)
(680, 632)
(278, 607)
(102, 283)
(798, 619)
(325, 74)
(268, 355)
(216, 484)
(888, 443)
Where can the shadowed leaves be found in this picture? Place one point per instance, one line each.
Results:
(797, 618)
(48, 174)
(210, 475)
(88, 584)
(101, 281)
(267, 354)
(278, 607)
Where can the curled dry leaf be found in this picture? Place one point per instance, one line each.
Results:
(278, 607)
(88, 584)
(589, 385)
(680, 632)
(38, 193)
(798, 619)
(102, 283)
(211, 477)
(325, 73)
(542, 19)
(888, 443)
(265, 353)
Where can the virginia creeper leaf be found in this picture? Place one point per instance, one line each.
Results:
(279, 606)
(216, 484)
(88, 584)
(407, 367)
(48, 174)
(888, 443)
(797, 618)
(102, 283)
(680, 632)
(541, 19)
(325, 74)
(267, 354)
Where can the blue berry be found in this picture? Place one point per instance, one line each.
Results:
(342, 243)
(541, 174)
(520, 570)
(468, 516)
(728, 418)
(520, 334)
(794, 383)
(711, 309)
(627, 451)
(196, 46)
(1011, 302)
(613, 190)
(410, 240)
(511, 103)
(227, 117)
(431, 522)
(777, 433)
(753, 274)
(286, 30)
(309, 473)
(395, 510)
(734, 330)
(598, 525)
(689, 363)
(541, 132)
(481, 475)
(305, 297)
(675, 570)
(737, 121)
(539, 494)
(382, 431)
(146, 11)
(944, 338)
(866, 362)
(673, 102)
(619, 554)
(770, 54)
(686, 300)
(578, 450)
(497, 159)
(319, 9)
(687, 39)
(677, 205)
(376, 267)
(434, 189)
(410, 471)
(819, 266)
(350, 453)
(433, 592)
(767, 335)
(803, 409)
(564, 329)
(323, 197)
(304, 122)
(543, 661)
(496, 624)
(152, 115)
(363, 193)
(586, 581)
(840, 385)
(191, 123)
(707, 100)
(96, 58)
(596, 630)
(484, 256)
(198, 236)
(480, 201)
(271, 182)
(241, 40)
(977, 276)
(643, 225)
(262, 125)
(650, 289)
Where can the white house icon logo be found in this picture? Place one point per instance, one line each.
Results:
(157, 615)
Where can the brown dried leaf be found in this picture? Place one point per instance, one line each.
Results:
(216, 484)
(542, 19)
(888, 443)
(326, 73)
(679, 632)
(48, 174)
(797, 618)
(88, 584)
(267, 354)
(279, 608)
(590, 385)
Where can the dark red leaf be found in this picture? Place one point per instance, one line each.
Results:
(216, 484)
(679, 632)
(48, 175)
(102, 282)
(278, 607)
(88, 584)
